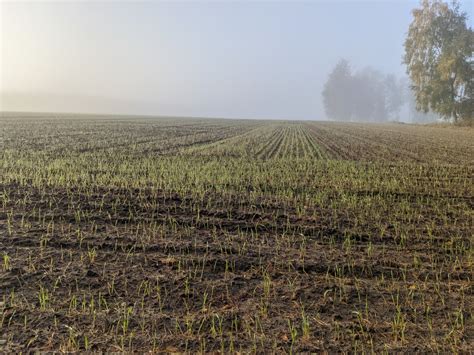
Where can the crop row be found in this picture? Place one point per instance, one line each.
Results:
(208, 236)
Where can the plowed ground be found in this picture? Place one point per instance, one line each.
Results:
(250, 236)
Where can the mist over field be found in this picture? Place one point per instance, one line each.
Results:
(207, 59)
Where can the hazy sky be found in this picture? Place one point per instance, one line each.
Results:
(224, 59)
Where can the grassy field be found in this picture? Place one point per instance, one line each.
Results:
(233, 235)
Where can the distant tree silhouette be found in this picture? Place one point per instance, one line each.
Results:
(394, 92)
(366, 95)
(337, 91)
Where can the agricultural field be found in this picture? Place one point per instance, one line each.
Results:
(200, 235)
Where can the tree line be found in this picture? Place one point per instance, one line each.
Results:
(364, 95)
(438, 56)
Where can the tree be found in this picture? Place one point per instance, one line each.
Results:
(366, 95)
(394, 96)
(336, 92)
(414, 115)
(369, 101)
(438, 51)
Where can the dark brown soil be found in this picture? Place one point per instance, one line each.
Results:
(143, 270)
